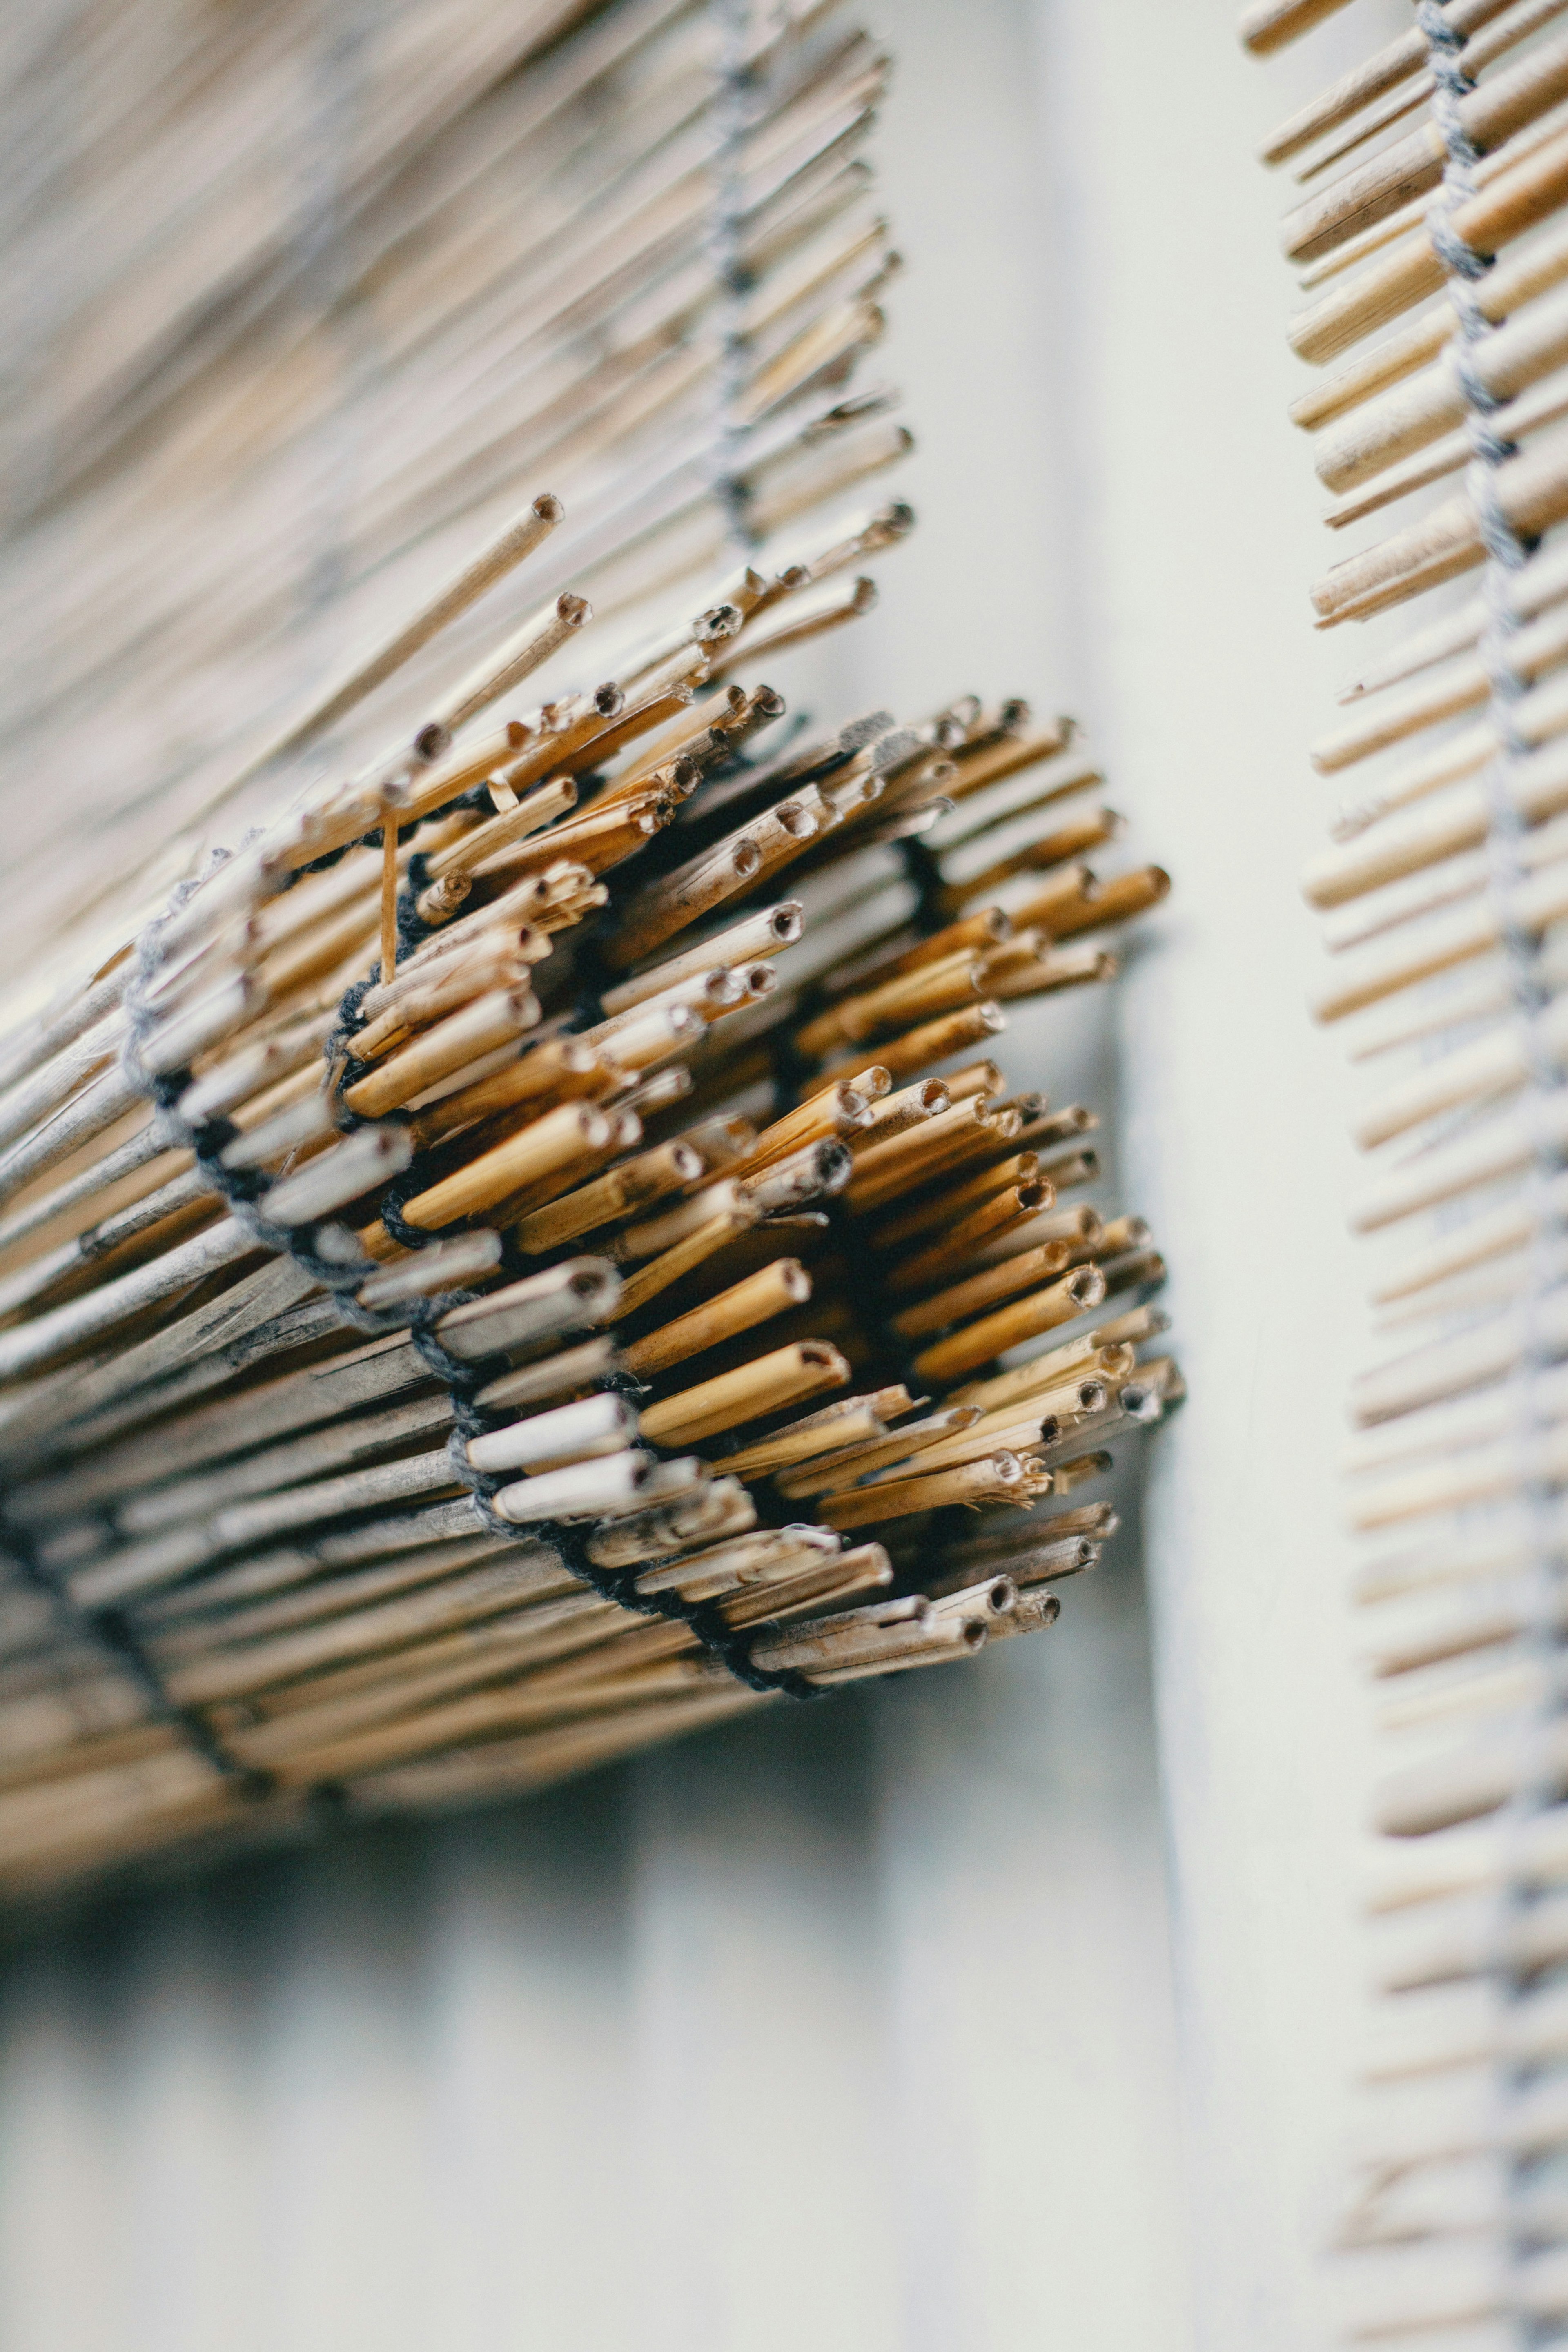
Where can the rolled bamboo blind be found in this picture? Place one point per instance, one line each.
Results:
(1431, 229)
(510, 1225)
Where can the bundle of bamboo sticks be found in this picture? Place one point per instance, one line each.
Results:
(680, 1226)
(1433, 234)
(533, 1253)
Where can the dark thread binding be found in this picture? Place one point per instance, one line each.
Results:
(244, 1191)
(923, 871)
(113, 1627)
(341, 1274)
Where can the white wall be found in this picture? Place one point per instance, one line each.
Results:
(1196, 519)
(859, 2030)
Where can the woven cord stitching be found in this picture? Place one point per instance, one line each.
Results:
(323, 1253)
(1506, 554)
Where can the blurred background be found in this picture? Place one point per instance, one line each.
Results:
(975, 2018)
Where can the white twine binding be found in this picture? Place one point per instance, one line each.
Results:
(1507, 553)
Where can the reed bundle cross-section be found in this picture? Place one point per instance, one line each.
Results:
(536, 1251)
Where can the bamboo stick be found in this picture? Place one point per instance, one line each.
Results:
(771, 1290)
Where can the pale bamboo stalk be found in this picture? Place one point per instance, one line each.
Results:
(138, 1157)
(557, 1375)
(810, 1174)
(1450, 1425)
(511, 546)
(978, 1291)
(854, 1635)
(1490, 1067)
(720, 1508)
(389, 884)
(978, 1553)
(833, 1472)
(1031, 1562)
(538, 1759)
(1498, 213)
(1269, 25)
(29, 1346)
(1411, 415)
(568, 1433)
(1508, 101)
(883, 1169)
(468, 856)
(430, 985)
(1531, 489)
(1065, 846)
(983, 1343)
(1503, 1146)
(771, 1290)
(317, 1736)
(980, 1227)
(247, 1072)
(184, 1200)
(839, 1110)
(907, 1106)
(988, 928)
(1484, 1474)
(1400, 61)
(997, 1478)
(681, 1258)
(1461, 687)
(743, 860)
(657, 1235)
(708, 993)
(554, 1141)
(1008, 755)
(865, 1569)
(994, 1177)
(841, 1423)
(764, 1557)
(84, 1058)
(137, 1568)
(651, 1034)
(1443, 1368)
(765, 1385)
(1507, 1229)
(566, 1297)
(1029, 1431)
(341, 1752)
(75, 1009)
(1444, 1791)
(464, 1036)
(715, 1144)
(1420, 838)
(468, 1596)
(293, 1402)
(668, 1168)
(761, 935)
(549, 1074)
(1540, 585)
(1078, 1357)
(929, 989)
(1442, 942)
(587, 1490)
(511, 662)
(78, 1406)
(340, 1175)
(100, 1106)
